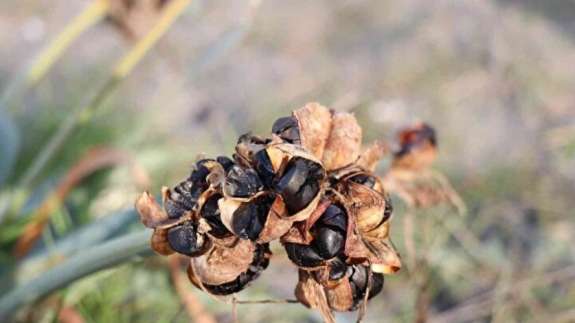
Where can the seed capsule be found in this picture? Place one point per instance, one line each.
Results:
(228, 270)
(418, 147)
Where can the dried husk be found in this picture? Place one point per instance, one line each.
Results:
(159, 242)
(379, 253)
(344, 142)
(277, 224)
(372, 155)
(311, 294)
(314, 122)
(152, 215)
(340, 298)
(367, 207)
(223, 264)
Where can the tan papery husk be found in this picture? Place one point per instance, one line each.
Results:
(344, 142)
(314, 122)
(223, 264)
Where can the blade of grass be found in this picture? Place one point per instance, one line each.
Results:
(94, 259)
(42, 64)
(47, 57)
(83, 114)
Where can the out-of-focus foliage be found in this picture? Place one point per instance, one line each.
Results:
(493, 77)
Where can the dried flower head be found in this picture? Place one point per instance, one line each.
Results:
(310, 185)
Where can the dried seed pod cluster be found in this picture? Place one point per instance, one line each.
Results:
(309, 185)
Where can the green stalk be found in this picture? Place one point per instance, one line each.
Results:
(97, 258)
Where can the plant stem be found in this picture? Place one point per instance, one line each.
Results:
(97, 258)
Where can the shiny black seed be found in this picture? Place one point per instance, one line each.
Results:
(376, 284)
(183, 239)
(334, 217)
(263, 167)
(328, 242)
(211, 213)
(249, 219)
(363, 179)
(226, 162)
(281, 124)
(299, 184)
(242, 182)
(359, 277)
(287, 128)
(303, 255)
(337, 269)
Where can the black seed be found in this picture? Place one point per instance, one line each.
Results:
(241, 182)
(287, 129)
(303, 255)
(359, 277)
(364, 179)
(284, 123)
(299, 184)
(174, 210)
(263, 167)
(226, 162)
(376, 284)
(249, 219)
(327, 242)
(200, 172)
(334, 217)
(211, 213)
(183, 239)
(337, 269)
(294, 177)
(388, 210)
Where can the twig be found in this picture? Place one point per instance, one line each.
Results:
(268, 301)
(91, 15)
(172, 11)
(97, 258)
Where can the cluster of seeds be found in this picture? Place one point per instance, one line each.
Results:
(309, 185)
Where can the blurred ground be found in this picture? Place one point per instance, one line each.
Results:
(495, 78)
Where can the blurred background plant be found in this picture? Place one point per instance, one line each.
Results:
(84, 128)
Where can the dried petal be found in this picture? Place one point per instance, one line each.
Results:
(159, 242)
(344, 143)
(314, 122)
(310, 293)
(151, 214)
(222, 264)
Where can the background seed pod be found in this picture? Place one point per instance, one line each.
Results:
(417, 147)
